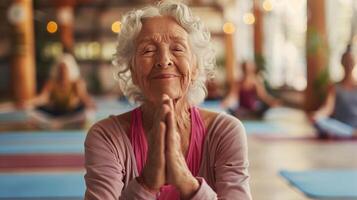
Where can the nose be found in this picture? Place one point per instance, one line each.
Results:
(164, 59)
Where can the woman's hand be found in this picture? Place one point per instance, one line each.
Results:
(153, 174)
(165, 162)
(177, 172)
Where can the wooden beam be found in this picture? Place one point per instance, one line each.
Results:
(23, 76)
(316, 55)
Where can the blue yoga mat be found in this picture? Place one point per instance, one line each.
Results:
(213, 105)
(261, 127)
(42, 142)
(13, 116)
(324, 183)
(43, 185)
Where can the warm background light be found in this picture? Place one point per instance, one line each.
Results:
(249, 18)
(229, 28)
(354, 72)
(354, 40)
(116, 26)
(267, 5)
(52, 27)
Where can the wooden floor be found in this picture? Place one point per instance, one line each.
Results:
(267, 157)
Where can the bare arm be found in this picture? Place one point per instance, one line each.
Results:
(328, 106)
(84, 95)
(41, 98)
(264, 95)
(232, 97)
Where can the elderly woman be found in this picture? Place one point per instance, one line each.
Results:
(167, 148)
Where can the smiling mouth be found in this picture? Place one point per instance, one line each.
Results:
(165, 76)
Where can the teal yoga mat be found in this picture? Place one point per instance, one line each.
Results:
(29, 142)
(13, 116)
(261, 128)
(42, 186)
(326, 183)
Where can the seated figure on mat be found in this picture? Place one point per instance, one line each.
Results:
(167, 148)
(64, 100)
(249, 98)
(337, 117)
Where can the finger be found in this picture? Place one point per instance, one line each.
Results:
(165, 99)
(171, 104)
(162, 133)
(172, 137)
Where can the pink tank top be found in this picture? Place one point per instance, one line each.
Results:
(193, 157)
(248, 98)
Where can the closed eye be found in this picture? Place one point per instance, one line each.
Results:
(178, 48)
(149, 51)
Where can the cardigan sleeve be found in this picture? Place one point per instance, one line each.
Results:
(231, 161)
(105, 171)
(204, 191)
(226, 162)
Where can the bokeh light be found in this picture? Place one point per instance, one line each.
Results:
(52, 27)
(267, 5)
(116, 26)
(229, 28)
(248, 18)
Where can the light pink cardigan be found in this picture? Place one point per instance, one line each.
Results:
(111, 166)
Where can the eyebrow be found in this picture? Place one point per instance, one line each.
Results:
(149, 39)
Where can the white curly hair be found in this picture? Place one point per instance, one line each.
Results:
(199, 38)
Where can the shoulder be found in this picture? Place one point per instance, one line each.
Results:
(227, 129)
(207, 116)
(111, 129)
(226, 141)
(221, 123)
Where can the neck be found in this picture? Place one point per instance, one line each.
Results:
(348, 79)
(182, 114)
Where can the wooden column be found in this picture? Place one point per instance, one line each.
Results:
(230, 59)
(316, 55)
(23, 76)
(258, 35)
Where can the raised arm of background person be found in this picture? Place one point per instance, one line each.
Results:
(83, 94)
(327, 107)
(264, 95)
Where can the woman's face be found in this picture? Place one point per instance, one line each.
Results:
(348, 63)
(163, 62)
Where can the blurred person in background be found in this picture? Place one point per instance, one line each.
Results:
(63, 101)
(167, 148)
(248, 97)
(337, 117)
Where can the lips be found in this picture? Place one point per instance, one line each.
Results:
(165, 76)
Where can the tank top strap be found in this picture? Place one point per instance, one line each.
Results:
(138, 139)
(198, 132)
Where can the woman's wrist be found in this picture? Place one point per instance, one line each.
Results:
(188, 188)
(141, 181)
